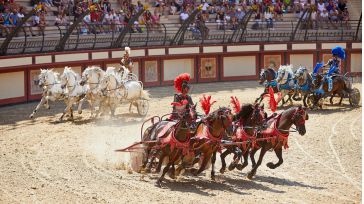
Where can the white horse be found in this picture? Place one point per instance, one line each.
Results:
(127, 88)
(131, 89)
(52, 90)
(92, 77)
(109, 87)
(285, 80)
(74, 91)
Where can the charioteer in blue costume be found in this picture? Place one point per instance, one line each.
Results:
(338, 54)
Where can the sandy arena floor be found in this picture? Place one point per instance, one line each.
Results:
(44, 161)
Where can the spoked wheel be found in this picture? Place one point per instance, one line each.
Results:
(143, 107)
(354, 97)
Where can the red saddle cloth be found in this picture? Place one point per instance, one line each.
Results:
(242, 136)
(165, 129)
(171, 140)
(273, 132)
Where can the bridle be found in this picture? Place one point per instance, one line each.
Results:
(258, 111)
(224, 114)
(74, 86)
(87, 78)
(298, 117)
(45, 82)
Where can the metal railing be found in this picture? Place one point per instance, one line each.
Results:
(101, 36)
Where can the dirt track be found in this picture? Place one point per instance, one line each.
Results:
(45, 161)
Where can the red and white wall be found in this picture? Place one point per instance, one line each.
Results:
(157, 66)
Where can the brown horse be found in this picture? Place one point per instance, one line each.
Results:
(248, 120)
(268, 76)
(340, 86)
(276, 136)
(160, 130)
(207, 140)
(174, 146)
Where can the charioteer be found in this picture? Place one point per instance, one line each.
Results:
(182, 101)
(338, 54)
(126, 60)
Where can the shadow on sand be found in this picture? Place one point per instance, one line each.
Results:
(235, 184)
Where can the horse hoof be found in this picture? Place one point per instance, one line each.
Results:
(171, 174)
(240, 167)
(31, 116)
(213, 177)
(159, 184)
(270, 165)
(80, 112)
(232, 166)
(250, 175)
(193, 172)
(222, 170)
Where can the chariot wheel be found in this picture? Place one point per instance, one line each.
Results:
(136, 160)
(143, 107)
(354, 97)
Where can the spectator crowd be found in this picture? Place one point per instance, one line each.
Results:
(226, 14)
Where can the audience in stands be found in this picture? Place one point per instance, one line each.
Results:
(225, 14)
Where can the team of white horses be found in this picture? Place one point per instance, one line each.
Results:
(102, 89)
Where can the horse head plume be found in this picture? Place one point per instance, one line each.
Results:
(272, 102)
(235, 103)
(206, 104)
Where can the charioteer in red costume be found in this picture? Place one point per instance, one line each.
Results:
(182, 101)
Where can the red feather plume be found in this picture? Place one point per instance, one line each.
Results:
(235, 103)
(272, 100)
(179, 79)
(206, 104)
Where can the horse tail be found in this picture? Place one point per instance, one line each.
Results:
(145, 94)
(347, 85)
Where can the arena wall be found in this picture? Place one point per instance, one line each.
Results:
(157, 66)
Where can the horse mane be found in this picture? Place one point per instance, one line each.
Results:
(215, 113)
(286, 68)
(56, 74)
(69, 70)
(110, 69)
(272, 71)
(245, 111)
